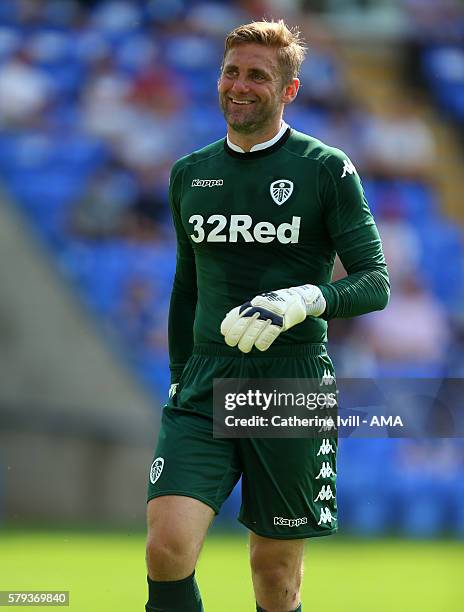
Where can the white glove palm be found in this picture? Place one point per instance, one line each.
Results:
(260, 321)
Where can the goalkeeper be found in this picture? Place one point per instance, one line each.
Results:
(259, 218)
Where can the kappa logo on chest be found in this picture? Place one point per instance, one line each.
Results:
(281, 190)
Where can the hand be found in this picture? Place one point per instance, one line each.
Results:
(260, 321)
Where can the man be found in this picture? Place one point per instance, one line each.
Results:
(259, 217)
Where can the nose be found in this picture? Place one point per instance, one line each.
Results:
(240, 86)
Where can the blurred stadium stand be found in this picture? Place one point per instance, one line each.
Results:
(74, 424)
(99, 98)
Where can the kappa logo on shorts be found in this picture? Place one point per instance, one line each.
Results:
(325, 516)
(325, 494)
(326, 471)
(279, 520)
(156, 469)
(327, 378)
(325, 448)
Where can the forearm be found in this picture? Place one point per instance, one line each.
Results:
(180, 328)
(357, 294)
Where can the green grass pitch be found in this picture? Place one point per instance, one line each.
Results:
(105, 572)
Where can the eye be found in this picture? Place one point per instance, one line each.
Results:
(258, 77)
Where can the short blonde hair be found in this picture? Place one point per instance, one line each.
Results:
(291, 49)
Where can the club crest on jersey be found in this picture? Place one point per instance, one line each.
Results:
(281, 190)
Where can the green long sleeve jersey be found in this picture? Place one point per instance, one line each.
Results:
(273, 218)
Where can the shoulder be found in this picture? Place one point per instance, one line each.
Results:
(197, 157)
(305, 146)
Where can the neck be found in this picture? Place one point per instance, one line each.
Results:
(247, 141)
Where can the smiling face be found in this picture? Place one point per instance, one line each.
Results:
(251, 93)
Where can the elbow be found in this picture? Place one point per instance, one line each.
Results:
(383, 302)
(384, 295)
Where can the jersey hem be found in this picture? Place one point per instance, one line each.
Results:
(185, 494)
(290, 536)
(313, 349)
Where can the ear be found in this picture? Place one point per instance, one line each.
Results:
(290, 91)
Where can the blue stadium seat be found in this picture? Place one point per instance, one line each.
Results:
(443, 68)
(441, 242)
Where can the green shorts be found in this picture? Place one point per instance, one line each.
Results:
(288, 484)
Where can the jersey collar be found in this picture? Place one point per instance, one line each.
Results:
(262, 148)
(260, 145)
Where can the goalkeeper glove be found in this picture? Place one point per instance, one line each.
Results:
(260, 321)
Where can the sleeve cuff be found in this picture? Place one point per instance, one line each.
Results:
(331, 299)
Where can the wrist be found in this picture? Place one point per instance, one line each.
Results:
(313, 298)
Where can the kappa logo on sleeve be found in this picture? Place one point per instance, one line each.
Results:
(348, 167)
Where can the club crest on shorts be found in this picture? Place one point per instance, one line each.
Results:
(281, 190)
(156, 469)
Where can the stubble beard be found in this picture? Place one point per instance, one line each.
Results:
(255, 121)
